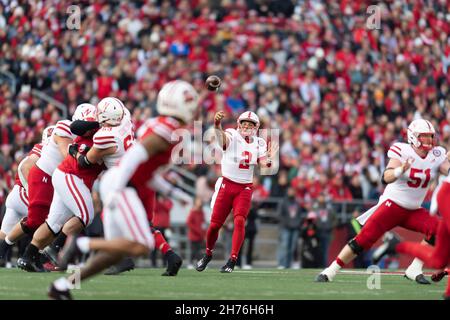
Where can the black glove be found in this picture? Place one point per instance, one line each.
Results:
(73, 150)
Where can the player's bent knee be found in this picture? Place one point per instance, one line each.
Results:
(239, 222)
(25, 228)
(215, 225)
(356, 248)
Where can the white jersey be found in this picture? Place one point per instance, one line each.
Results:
(51, 157)
(410, 189)
(121, 136)
(240, 157)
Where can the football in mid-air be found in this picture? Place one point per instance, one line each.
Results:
(213, 83)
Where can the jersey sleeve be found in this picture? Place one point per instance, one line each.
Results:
(230, 134)
(164, 127)
(262, 148)
(442, 154)
(395, 152)
(36, 150)
(62, 129)
(104, 139)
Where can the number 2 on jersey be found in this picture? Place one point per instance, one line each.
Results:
(414, 181)
(245, 163)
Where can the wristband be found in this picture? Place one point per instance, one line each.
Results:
(398, 172)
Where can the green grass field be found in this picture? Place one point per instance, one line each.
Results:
(256, 284)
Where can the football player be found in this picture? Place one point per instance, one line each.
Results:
(243, 150)
(40, 188)
(408, 173)
(125, 192)
(17, 201)
(88, 156)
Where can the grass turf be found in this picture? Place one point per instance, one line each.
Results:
(256, 284)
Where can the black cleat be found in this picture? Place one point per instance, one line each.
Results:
(126, 264)
(2, 263)
(51, 254)
(420, 279)
(203, 262)
(56, 294)
(322, 278)
(438, 276)
(68, 252)
(229, 266)
(174, 263)
(30, 266)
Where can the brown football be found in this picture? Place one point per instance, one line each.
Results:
(213, 83)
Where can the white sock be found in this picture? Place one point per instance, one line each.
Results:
(415, 268)
(83, 244)
(334, 267)
(9, 242)
(62, 284)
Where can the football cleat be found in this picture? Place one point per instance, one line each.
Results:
(174, 263)
(438, 276)
(30, 266)
(203, 262)
(51, 254)
(229, 266)
(322, 278)
(420, 279)
(49, 266)
(56, 294)
(68, 252)
(126, 264)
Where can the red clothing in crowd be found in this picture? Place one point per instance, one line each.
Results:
(161, 216)
(195, 223)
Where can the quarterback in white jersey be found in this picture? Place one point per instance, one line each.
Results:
(242, 151)
(408, 174)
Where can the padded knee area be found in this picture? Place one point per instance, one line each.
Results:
(25, 228)
(215, 225)
(356, 248)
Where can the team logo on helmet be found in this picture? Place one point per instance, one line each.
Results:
(82, 148)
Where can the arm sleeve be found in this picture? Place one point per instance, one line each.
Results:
(80, 127)
(62, 129)
(395, 152)
(104, 140)
(262, 148)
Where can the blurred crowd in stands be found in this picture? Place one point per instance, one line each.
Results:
(340, 90)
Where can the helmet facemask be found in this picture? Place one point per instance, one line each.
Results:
(426, 141)
(421, 135)
(247, 128)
